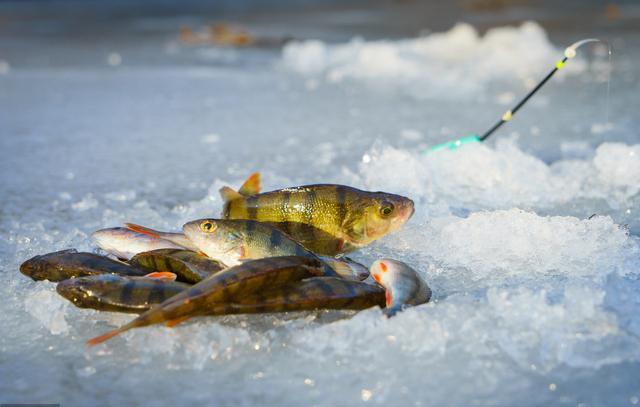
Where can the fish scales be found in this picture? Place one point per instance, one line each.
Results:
(118, 293)
(188, 266)
(327, 219)
(220, 288)
(65, 264)
(311, 294)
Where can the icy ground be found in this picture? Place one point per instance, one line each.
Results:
(536, 301)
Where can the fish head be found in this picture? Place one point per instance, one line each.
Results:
(378, 215)
(403, 285)
(384, 272)
(216, 238)
(88, 290)
(38, 267)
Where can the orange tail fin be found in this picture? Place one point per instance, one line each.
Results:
(105, 337)
(142, 229)
(252, 185)
(162, 275)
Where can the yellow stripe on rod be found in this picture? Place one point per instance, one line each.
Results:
(560, 64)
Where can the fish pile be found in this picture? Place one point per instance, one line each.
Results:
(275, 251)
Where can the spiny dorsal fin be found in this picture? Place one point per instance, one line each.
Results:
(162, 275)
(251, 186)
(142, 229)
(228, 194)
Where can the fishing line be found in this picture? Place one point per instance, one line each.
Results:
(569, 53)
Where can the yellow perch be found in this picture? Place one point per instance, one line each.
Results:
(327, 219)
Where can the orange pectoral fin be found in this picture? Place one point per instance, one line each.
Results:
(162, 275)
(142, 229)
(251, 186)
(387, 297)
(173, 322)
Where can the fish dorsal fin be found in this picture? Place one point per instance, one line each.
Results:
(162, 275)
(142, 229)
(251, 186)
(228, 194)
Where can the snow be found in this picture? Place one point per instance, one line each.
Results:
(536, 301)
(462, 60)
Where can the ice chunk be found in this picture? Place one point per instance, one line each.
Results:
(49, 309)
(479, 176)
(619, 165)
(423, 66)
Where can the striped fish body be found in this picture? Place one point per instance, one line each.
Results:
(310, 294)
(248, 239)
(189, 267)
(235, 282)
(115, 293)
(327, 219)
(67, 264)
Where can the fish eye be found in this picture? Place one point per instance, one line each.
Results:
(207, 226)
(386, 209)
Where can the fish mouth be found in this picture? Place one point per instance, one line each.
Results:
(408, 210)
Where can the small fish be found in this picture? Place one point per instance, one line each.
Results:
(233, 241)
(403, 285)
(235, 282)
(190, 267)
(118, 293)
(67, 264)
(309, 294)
(125, 243)
(327, 219)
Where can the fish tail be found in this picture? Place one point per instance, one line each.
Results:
(342, 268)
(143, 230)
(114, 332)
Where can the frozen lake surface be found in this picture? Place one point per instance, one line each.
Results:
(536, 302)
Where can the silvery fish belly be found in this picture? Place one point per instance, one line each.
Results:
(125, 243)
(327, 219)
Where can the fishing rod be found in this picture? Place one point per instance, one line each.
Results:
(569, 53)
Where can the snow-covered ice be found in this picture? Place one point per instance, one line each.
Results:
(536, 301)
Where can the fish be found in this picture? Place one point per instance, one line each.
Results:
(115, 293)
(125, 243)
(189, 267)
(234, 241)
(309, 294)
(327, 219)
(242, 280)
(403, 285)
(65, 264)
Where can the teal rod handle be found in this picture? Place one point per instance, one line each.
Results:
(452, 145)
